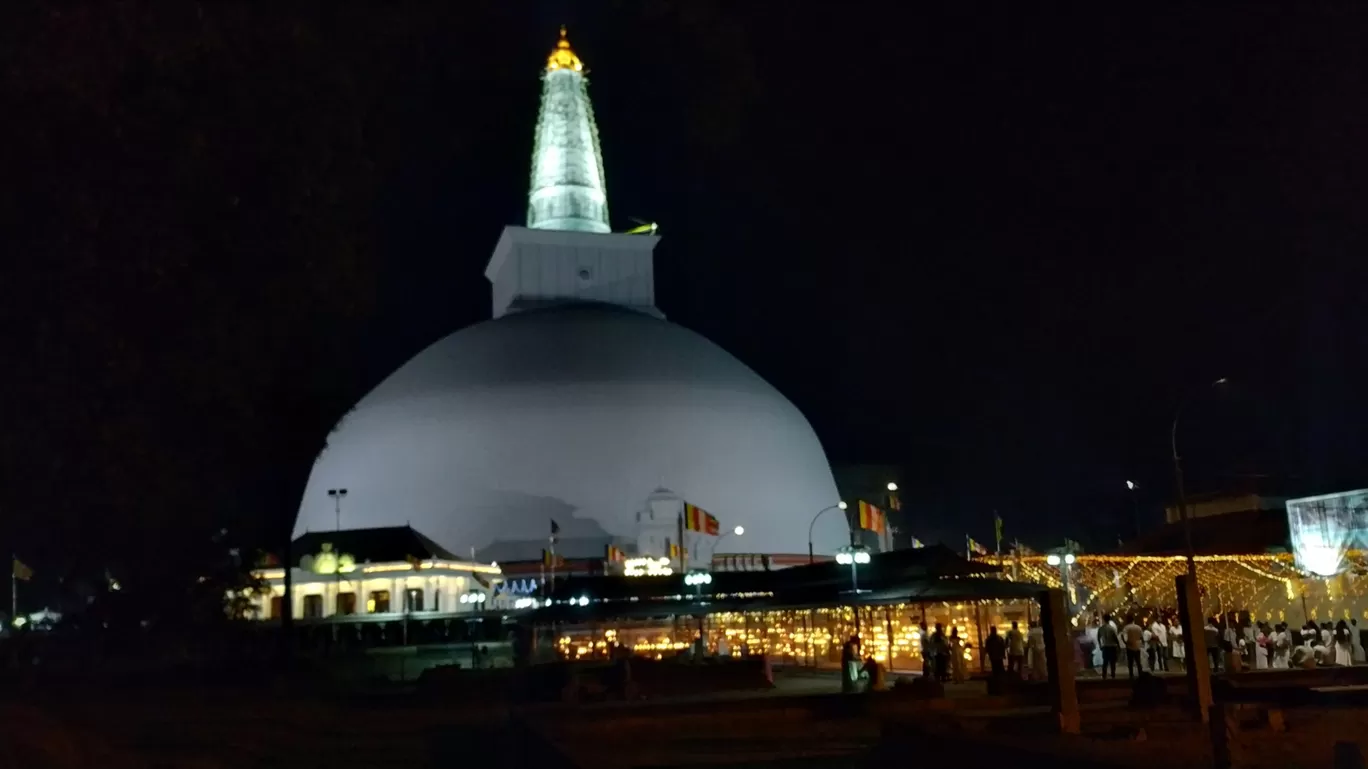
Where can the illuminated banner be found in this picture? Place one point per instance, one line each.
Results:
(647, 567)
(1325, 528)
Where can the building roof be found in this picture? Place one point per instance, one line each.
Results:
(1249, 531)
(380, 545)
(902, 576)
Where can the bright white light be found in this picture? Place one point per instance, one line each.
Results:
(465, 599)
(739, 530)
(862, 556)
(845, 559)
(698, 578)
(1069, 558)
(584, 600)
(892, 486)
(841, 504)
(1130, 485)
(1052, 559)
(525, 603)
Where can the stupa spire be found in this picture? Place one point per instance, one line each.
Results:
(567, 190)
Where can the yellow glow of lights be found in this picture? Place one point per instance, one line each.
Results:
(563, 57)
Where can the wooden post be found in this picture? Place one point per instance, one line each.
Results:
(1197, 664)
(1054, 618)
(888, 629)
(978, 629)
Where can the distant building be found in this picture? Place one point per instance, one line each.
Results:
(1207, 505)
(392, 571)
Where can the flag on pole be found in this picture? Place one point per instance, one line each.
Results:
(21, 571)
(872, 518)
(975, 548)
(549, 558)
(917, 543)
(997, 530)
(555, 530)
(614, 554)
(698, 519)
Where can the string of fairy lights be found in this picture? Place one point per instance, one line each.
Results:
(1270, 587)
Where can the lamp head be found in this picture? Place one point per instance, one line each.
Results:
(1130, 485)
(1052, 559)
(841, 504)
(739, 530)
(892, 486)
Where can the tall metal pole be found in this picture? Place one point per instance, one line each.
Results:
(1182, 501)
(1182, 493)
(837, 506)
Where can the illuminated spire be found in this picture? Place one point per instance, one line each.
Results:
(567, 191)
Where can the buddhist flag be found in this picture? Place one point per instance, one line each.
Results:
(551, 559)
(872, 518)
(698, 519)
(555, 530)
(414, 561)
(917, 543)
(676, 551)
(975, 547)
(614, 554)
(997, 529)
(21, 571)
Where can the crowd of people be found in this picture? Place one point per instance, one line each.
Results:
(1232, 644)
(1149, 643)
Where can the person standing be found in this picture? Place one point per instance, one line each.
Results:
(942, 647)
(1016, 649)
(928, 653)
(958, 673)
(1134, 636)
(1177, 650)
(850, 665)
(1160, 639)
(1344, 644)
(1035, 640)
(995, 646)
(1110, 641)
(1213, 639)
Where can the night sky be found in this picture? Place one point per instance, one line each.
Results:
(993, 246)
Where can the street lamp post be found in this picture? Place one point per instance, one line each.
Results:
(1065, 564)
(1178, 481)
(337, 496)
(854, 556)
(738, 531)
(837, 506)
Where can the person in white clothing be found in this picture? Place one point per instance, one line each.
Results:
(1177, 649)
(1035, 640)
(1281, 643)
(1159, 634)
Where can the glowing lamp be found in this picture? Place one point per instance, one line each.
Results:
(1052, 559)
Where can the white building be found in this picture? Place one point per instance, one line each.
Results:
(578, 401)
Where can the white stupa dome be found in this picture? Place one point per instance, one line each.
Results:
(577, 413)
(578, 402)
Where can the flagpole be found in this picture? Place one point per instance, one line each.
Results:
(14, 589)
